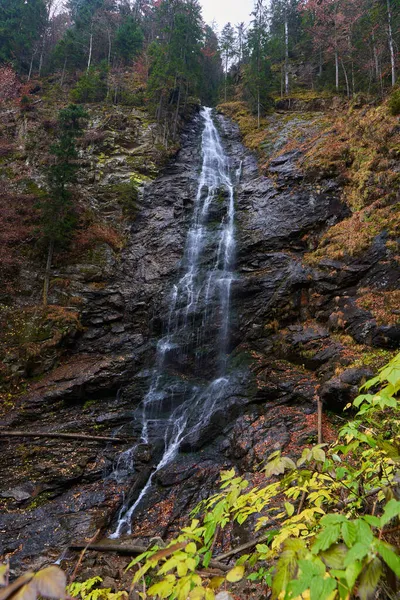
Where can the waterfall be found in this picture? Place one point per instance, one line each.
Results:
(190, 373)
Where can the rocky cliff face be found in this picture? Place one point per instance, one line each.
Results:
(297, 331)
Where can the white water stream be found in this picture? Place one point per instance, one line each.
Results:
(176, 405)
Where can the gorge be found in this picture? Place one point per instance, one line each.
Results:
(213, 315)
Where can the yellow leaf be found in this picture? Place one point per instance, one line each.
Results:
(191, 548)
(235, 574)
(3, 574)
(209, 594)
(50, 582)
(191, 563)
(182, 569)
(289, 508)
(197, 594)
(216, 582)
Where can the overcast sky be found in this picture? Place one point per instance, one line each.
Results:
(223, 11)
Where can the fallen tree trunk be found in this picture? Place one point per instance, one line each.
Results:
(132, 550)
(67, 436)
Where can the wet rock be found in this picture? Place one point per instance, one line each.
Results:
(339, 391)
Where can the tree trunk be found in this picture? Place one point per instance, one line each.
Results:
(319, 420)
(63, 72)
(42, 53)
(31, 66)
(258, 107)
(337, 71)
(109, 48)
(346, 79)
(226, 72)
(90, 52)
(178, 104)
(286, 54)
(47, 273)
(391, 44)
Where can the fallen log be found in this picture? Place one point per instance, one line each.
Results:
(132, 550)
(66, 436)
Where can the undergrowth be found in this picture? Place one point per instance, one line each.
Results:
(329, 521)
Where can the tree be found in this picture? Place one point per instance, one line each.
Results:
(257, 69)
(228, 49)
(211, 67)
(22, 23)
(175, 58)
(390, 40)
(58, 217)
(129, 40)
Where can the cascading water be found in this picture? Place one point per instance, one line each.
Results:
(189, 377)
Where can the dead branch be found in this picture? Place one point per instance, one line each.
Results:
(67, 436)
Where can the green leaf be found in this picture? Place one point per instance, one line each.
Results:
(328, 536)
(372, 520)
(289, 508)
(285, 569)
(369, 580)
(334, 557)
(321, 589)
(393, 376)
(364, 533)
(357, 552)
(312, 568)
(332, 519)
(319, 454)
(207, 558)
(349, 533)
(191, 548)
(235, 574)
(370, 383)
(392, 510)
(391, 558)
(352, 572)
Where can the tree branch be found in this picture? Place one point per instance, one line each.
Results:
(68, 436)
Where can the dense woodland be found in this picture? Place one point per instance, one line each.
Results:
(338, 46)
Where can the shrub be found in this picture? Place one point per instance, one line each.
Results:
(9, 84)
(91, 87)
(394, 103)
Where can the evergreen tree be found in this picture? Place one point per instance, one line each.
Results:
(228, 50)
(22, 23)
(129, 39)
(58, 217)
(257, 72)
(175, 58)
(211, 68)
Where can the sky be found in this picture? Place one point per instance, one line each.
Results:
(223, 11)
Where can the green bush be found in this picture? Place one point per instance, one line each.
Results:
(394, 103)
(91, 87)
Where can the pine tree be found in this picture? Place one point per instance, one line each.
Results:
(58, 217)
(22, 23)
(228, 50)
(129, 39)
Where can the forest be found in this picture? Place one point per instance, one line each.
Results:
(345, 47)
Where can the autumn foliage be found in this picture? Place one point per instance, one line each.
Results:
(9, 83)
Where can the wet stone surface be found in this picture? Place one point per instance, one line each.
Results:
(295, 332)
